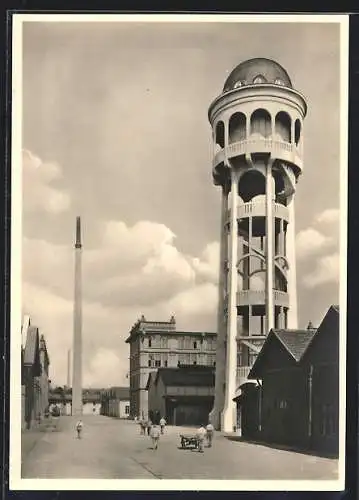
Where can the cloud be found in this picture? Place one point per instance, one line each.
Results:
(40, 192)
(133, 270)
(207, 265)
(331, 215)
(104, 369)
(326, 271)
(310, 242)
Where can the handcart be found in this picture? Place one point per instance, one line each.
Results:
(189, 441)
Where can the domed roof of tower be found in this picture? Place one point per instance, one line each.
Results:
(257, 71)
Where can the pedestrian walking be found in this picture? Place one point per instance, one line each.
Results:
(79, 427)
(201, 434)
(155, 436)
(209, 434)
(149, 426)
(143, 427)
(162, 424)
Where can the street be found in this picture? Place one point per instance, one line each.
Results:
(114, 449)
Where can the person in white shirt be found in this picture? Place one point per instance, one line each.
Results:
(162, 424)
(210, 432)
(155, 436)
(201, 433)
(79, 427)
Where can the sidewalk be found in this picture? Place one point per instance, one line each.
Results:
(30, 437)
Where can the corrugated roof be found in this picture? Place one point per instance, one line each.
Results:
(295, 341)
(31, 346)
(185, 377)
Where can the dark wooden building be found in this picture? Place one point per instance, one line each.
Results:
(183, 395)
(296, 400)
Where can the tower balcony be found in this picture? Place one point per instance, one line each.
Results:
(258, 209)
(280, 150)
(258, 297)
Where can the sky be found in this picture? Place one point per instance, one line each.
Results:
(115, 130)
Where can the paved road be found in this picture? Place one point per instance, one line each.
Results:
(114, 449)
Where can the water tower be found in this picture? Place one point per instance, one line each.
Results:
(257, 125)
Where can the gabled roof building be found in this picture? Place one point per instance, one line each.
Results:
(295, 401)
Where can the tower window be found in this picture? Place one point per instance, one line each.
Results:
(238, 84)
(259, 79)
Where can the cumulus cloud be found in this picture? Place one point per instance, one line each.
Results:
(40, 191)
(328, 216)
(326, 271)
(207, 265)
(310, 242)
(133, 270)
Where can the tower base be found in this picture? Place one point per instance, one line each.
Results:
(215, 418)
(229, 418)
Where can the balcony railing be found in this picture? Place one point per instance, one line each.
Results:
(278, 148)
(242, 374)
(259, 209)
(258, 297)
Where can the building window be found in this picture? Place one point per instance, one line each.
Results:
(166, 363)
(164, 342)
(150, 360)
(158, 363)
(194, 345)
(127, 410)
(149, 343)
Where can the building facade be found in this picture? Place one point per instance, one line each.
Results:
(35, 376)
(257, 128)
(115, 402)
(182, 395)
(155, 344)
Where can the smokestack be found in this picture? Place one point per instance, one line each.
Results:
(78, 243)
(77, 339)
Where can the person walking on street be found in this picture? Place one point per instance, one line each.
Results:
(79, 427)
(155, 436)
(143, 427)
(210, 432)
(201, 433)
(162, 424)
(149, 426)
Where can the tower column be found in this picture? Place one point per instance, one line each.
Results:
(269, 248)
(292, 272)
(229, 410)
(77, 340)
(215, 415)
